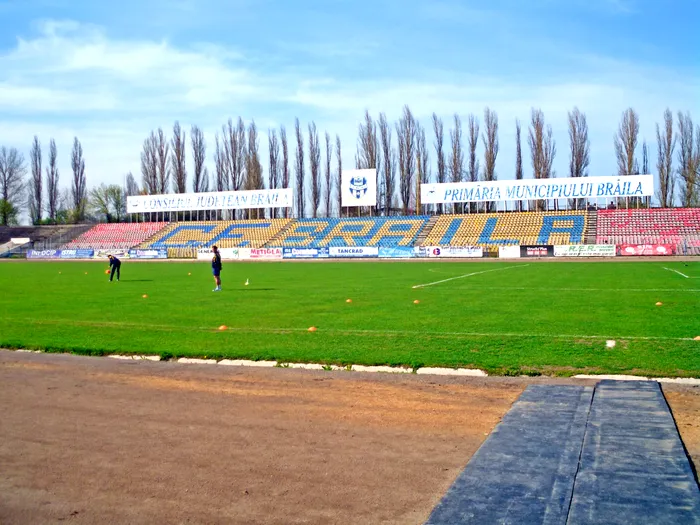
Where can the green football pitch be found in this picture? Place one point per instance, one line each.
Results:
(503, 317)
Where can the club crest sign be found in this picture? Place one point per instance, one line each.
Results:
(359, 187)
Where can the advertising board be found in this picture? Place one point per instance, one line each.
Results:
(455, 251)
(509, 252)
(645, 249)
(397, 252)
(305, 253)
(261, 253)
(77, 254)
(543, 250)
(585, 250)
(148, 254)
(353, 251)
(43, 254)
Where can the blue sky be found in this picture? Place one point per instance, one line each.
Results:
(111, 72)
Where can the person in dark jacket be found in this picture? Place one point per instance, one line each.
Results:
(216, 268)
(115, 265)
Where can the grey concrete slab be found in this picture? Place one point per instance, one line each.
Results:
(524, 472)
(633, 467)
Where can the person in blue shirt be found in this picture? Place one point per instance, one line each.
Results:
(115, 265)
(216, 268)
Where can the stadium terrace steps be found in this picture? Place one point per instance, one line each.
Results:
(426, 230)
(591, 226)
(279, 235)
(578, 455)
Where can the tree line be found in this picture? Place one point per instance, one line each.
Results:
(399, 151)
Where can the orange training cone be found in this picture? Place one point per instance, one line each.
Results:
(312, 329)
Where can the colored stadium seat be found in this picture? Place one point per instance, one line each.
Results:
(677, 226)
(183, 239)
(491, 230)
(353, 231)
(115, 236)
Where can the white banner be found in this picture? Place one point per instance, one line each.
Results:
(509, 252)
(533, 189)
(585, 250)
(359, 188)
(353, 251)
(205, 254)
(455, 251)
(213, 200)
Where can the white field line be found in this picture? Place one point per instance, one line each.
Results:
(351, 331)
(550, 289)
(469, 275)
(676, 271)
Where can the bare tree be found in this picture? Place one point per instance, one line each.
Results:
(367, 149)
(132, 187)
(177, 159)
(273, 174)
(200, 182)
(439, 130)
(518, 158)
(253, 167)
(234, 143)
(162, 155)
(328, 186)
(457, 159)
(626, 142)
(388, 167)
(285, 163)
(542, 149)
(36, 195)
(579, 150)
(406, 134)
(423, 165)
(315, 168)
(149, 165)
(666, 143)
(688, 160)
(220, 165)
(79, 188)
(473, 128)
(299, 170)
(339, 175)
(491, 146)
(12, 172)
(52, 181)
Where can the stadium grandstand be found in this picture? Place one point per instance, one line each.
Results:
(676, 226)
(492, 230)
(121, 236)
(183, 239)
(352, 231)
(16, 240)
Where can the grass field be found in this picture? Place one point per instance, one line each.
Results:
(502, 317)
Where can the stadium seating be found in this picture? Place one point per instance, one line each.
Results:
(115, 236)
(182, 239)
(676, 226)
(353, 231)
(501, 229)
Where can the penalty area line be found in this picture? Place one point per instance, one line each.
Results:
(469, 275)
(676, 271)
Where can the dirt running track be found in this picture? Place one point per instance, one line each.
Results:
(97, 440)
